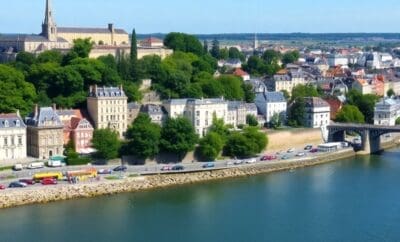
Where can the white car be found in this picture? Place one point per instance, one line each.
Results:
(251, 161)
(35, 165)
(291, 150)
(237, 162)
(300, 154)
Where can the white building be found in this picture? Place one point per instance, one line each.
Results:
(317, 112)
(338, 60)
(238, 111)
(12, 138)
(200, 112)
(386, 112)
(271, 103)
(287, 81)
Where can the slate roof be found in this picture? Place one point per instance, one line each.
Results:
(11, 120)
(133, 105)
(272, 97)
(106, 92)
(89, 30)
(152, 109)
(206, 101)
(44, 114)
(315, 102)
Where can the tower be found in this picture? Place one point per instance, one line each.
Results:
(255, 44)
(49, 27)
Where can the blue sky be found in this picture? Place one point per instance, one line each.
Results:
(208, 16)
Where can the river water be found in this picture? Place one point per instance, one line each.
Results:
(349, 200)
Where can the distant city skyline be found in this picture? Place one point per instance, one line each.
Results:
(209, 17)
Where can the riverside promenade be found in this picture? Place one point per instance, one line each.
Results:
(40, 194)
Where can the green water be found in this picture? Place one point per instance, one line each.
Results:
(350, 200)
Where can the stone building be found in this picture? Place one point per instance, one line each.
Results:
(12, 137)
(271, 103)
(45, 137)
(317, 112)
(386, 112)
(155, 113)
(107, 106)
(238, 111)
(133, 111)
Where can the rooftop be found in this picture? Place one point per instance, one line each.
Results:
(11, 120)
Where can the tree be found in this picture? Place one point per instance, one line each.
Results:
(234, 53)
(249, 94)
(183, 42)
(218, 126)
(73, 158)
(398, 121)
(271, 56)
(350, 114)
(302, 91)
(365, 103)
(133, 54)
(297, 112)
(15, 92)
(223, 54)
(211, 146)
(276, 121)
(82, 47)
(286, 94)
(290, 57)
(251, 120)
(390, 93)
(246, 144)
(232, 87)
(178, 136)
(144, 137)
(215, 49)
(205, 46)
(107, 143)
(50, 56)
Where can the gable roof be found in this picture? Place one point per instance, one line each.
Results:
(41, 118)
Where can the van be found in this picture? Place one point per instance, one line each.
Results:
(35, 165)
(18, 167)
(54, 163)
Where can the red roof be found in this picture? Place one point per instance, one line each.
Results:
(335, 105)
(240, 72)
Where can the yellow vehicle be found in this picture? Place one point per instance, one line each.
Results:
(42, 175)
(82, 175)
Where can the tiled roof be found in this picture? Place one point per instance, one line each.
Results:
(240, 72)
(11, 120)
(44, 115)
(26, 38)
(152, 109)
(89, 30)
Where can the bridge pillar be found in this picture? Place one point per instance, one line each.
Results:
(336, 136)
(375, 142)
(366, 146)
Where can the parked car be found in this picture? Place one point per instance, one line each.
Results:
(49, 181)
(251, 161)
(166, 168)
(314, 150)
(2, 187)
(54, 163)
(177, 168)
(291, 150)
(308, 147)
(104, 171)
(17, 184)
(285, 157)
(300, 154)
(237, 162)
(230, 163)
(120, 168)
(35, 165)
(27, 181)
(268, 157)
(209, 165)
(18, 167)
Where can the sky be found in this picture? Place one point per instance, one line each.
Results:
(208, 16)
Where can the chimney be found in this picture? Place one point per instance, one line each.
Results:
(36, 110)
(18, 114)
(54, 107)
(111, 27)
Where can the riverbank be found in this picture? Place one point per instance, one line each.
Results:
(18, 197)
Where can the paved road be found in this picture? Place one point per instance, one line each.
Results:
(160, 168)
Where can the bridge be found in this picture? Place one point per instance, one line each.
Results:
(370, 134)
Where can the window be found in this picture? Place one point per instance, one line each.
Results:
(197, 113)
(19, 140)
(197, 122)
(12, 140)
(5, 141)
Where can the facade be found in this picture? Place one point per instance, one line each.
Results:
(133, 112)
(238, 111)
(107, 107)
(82, 134)
(317, 112)
(288, 80)
(337, 60)
(155, 113)
(386, 112)
(271, 103)
(152, 43)
(200, 112)
(12, 137)
(45, 136)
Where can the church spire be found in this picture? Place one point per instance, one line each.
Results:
(49, 27)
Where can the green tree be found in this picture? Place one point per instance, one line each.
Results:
(350, 114)
(302, 91)
(297, 112)
(255, 66)
(183, 42)
(276, 121)
(107, 143)
(215, 49)
(365, 103)
(249, 94)
(144, 137)
(234, 53)
(218, 126)
(286, 94)
(398, 121)
(246, 144)
(15, 92)
(232, 87)
(251, 120)
(50, 56)
(271, 56)
(82, 47)
(390, 93)
(211, 146)
(223, 54)
(133, 54)
(73, 158)
(178, 136)
(290, 57)
(205, 46)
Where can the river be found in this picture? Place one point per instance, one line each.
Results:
(349, 200)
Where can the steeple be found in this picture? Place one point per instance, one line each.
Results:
(49, 27)
(255, 44)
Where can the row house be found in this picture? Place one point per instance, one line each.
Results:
(238, 111)
(12, 137)
(108, 108)
(270, 104)
(45, 133)
(287, 80)
(155, 112)
(317, 112)
(386, 112)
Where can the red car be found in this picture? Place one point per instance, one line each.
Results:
(268, 157)
(314, 150)
(27, 181)
(49, 181)
(2, 187)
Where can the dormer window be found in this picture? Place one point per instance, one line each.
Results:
(6, 124)
(17, 123)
